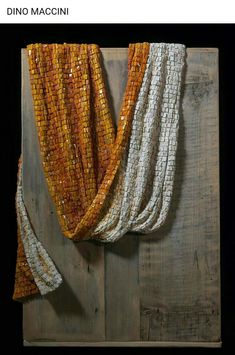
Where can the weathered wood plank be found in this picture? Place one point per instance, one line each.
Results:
(179, 265)
(76, 309)
(121, 258)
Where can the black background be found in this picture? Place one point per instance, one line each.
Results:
(15, 37)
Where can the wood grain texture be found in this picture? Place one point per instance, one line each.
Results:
(179, 264)
(162, 289)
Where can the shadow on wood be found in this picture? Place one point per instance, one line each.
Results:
(89, 251)
(126, 247)
(65, 302)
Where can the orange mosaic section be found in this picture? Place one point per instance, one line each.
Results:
(102, 123)
(25, 285)
(79, 151)
(75, 128)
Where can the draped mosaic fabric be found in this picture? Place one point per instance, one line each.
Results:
(103, 184)
(35, 270)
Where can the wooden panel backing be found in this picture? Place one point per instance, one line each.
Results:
(157, 290)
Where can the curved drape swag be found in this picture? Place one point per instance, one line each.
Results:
(103, 184)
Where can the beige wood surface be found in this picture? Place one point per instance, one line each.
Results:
(121, 258)
(162, 289)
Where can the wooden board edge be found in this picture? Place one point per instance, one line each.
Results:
(219, 190)
(160, 344)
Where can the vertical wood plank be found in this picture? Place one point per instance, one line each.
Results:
(76, 309)
(122, 290)
(179, 264)
(121, 258)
